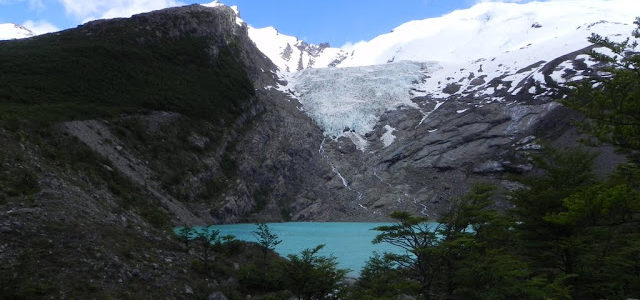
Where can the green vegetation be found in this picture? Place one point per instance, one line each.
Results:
(576, 238)
(569, 235)
(305, 276)
(90, 73)
(169, 149)
(119, 70)
(310, 276)
(67, 154)
(267, 241)
(611, 102)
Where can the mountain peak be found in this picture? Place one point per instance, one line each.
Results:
(9, 31)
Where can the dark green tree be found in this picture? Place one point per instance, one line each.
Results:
(186, 234)
(314, 277)
(419, 238)
(383, 278)
(208, 238)
(562, 173)
(578, 234)
(469, 254)
(269, 275)
(266, 239)
(604, 217)
(605, 238)
(476, 252)
(611, 98)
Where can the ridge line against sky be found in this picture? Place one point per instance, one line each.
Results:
(338, 22)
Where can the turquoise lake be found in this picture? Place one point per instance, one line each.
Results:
(350, 243)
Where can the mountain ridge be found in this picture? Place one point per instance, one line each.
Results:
(404, 42)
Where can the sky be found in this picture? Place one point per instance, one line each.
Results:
(335, 21)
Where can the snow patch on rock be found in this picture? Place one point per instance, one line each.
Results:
(388, 137)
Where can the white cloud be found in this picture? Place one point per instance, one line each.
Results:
(348, 46)
(40, 27)
(87, 10)
(35, 5)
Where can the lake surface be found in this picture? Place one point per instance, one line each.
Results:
(350, 243)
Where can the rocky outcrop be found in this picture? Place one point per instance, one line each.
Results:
(97, 136)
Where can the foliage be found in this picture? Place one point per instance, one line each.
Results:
(270, 279)
(267, 240)
(77, 74)
(185, 235)
(419, 239)
(563, 174)
(611, 99)
(383, 278)
(173, 156)
(207, 238)
(310, 276)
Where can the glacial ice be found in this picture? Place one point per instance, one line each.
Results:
(353, 99)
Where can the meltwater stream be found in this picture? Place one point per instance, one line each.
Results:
(349, 242)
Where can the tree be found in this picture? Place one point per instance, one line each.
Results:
(578, 234)
(383, 278)
(611, 98)
(605, 216)
(208, 238)
(419, 239)
(561, 173)
(267, 240)
(314, 277)
(469, 254)
(476, 252)
(186, 234)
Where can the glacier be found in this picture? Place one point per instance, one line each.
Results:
(352, 99)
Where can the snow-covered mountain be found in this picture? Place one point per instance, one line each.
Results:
(532, 31)
(492, 49)
(9, 31)
(526, 33)
(291, 54)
